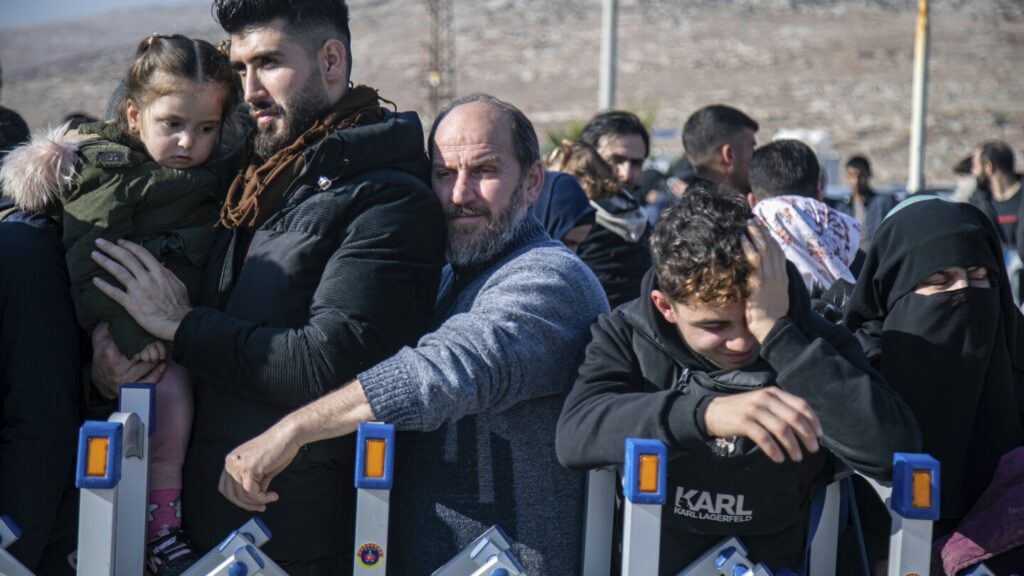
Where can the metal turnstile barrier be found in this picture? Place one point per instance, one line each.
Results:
(239, 554)
(489, 555)
(599, 522)
(113, 475)
(9, 534)
(913, 502)
(645, 473)
(375, 456)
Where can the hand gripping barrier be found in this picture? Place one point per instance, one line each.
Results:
(9, 534)
(113, 475)
(239, 554)
(375, 456)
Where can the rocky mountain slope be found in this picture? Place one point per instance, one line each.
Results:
(839, 65)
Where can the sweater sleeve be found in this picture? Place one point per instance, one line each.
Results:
(609, 403)
(521, 339)
(863, 419)
(375, 293)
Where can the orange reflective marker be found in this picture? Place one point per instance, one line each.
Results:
(921, 489)
(374, 465)
(96, 457)
(648, 473)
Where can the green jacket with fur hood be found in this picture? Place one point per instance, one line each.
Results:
(103, 184)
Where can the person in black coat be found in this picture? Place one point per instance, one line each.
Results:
(40, 394)
(616, 248)
(724, 362)
(329, 262)
(933, 311)
(40, 367)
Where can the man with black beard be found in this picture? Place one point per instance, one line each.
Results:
(482, 392)
(329, 263)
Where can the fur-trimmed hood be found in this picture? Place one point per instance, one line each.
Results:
(38, 173)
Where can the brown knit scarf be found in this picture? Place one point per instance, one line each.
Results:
(258, 189)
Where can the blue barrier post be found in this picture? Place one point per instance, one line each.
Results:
(913, 502)
(914, 506)
(375, 464)
(645, 473)
(113, 475)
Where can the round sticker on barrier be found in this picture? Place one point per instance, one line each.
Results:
(370, 555)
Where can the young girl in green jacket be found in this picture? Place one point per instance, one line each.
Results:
(146, 177)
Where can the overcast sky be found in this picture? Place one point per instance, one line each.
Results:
(18, 13)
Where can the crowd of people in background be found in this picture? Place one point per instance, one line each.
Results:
(273, 247)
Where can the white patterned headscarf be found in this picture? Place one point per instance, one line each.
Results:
(820, 241)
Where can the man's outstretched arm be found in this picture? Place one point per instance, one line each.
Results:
(249, 469)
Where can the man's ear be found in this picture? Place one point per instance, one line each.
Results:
(751, 200)
(534, 182)
(664, 306)
(333, 62)
(726, 155)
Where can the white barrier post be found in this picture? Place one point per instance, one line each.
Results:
(375, 456)
(915, 507)
(113, 475)
(825, 542)
(599, 522)
(645, 473)
(913, 503)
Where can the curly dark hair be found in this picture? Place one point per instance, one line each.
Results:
(696, 248)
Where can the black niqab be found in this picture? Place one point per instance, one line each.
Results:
(955, 357)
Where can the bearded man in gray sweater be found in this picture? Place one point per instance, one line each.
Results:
(481, 394)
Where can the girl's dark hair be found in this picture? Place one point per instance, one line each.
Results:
(161, 62)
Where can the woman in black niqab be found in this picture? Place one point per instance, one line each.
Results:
(955, 356)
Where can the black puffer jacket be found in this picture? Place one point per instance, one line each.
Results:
(640, 380)
(344, 274)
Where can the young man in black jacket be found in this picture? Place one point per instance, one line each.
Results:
(722, 360)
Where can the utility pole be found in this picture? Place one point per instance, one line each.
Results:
(915, 177)
(441, 68)
(609, 50)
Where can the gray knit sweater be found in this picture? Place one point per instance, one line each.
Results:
(483, 392)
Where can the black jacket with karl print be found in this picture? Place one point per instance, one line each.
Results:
(640, 380)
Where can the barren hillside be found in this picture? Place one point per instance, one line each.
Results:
(844, 66)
